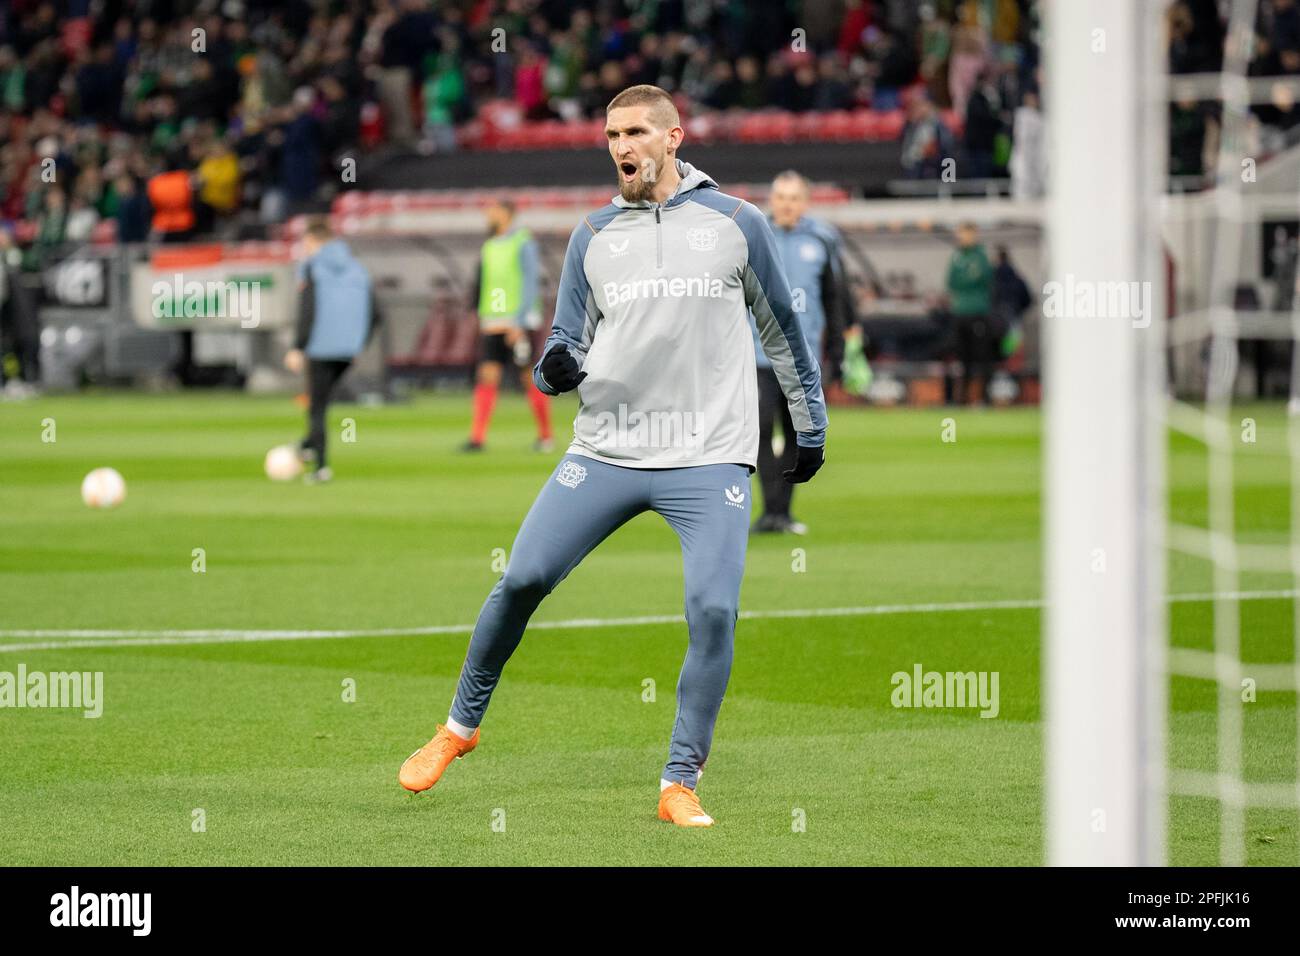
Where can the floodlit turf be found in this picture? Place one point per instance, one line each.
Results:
(811, 762)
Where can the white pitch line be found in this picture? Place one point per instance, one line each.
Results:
(57, 640)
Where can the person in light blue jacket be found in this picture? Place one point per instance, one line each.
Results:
(810, 256)
(338, 313)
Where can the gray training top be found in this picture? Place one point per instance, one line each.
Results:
(654, 303)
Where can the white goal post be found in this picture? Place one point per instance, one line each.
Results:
(1104, 627)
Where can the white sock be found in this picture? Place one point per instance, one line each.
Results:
(459, 729)
(665, 784)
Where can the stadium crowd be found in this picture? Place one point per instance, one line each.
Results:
(170, 117)
(256, 100)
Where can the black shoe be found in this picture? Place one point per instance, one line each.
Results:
(472, 446)
(768, 524)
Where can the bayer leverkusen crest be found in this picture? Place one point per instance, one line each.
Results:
(702, 240)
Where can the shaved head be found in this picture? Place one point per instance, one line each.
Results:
(789, 198)
(662, 111)
(793, 179)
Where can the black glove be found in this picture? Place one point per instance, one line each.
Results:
(806, 463)
(560, 370)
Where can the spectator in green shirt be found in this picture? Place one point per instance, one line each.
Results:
(444, 91)
(970, 290)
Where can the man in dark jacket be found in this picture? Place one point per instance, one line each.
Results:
(133, 210)
(1011, 296)
(20, 328)
(338, 313)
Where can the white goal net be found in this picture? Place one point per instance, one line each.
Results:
(1173, 478)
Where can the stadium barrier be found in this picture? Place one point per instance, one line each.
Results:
(422, 249)
(500, 126)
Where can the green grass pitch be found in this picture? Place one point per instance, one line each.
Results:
(811, 762)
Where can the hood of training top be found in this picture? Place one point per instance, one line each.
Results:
(654, 303)
(340, 287)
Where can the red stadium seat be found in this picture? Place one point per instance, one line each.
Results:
(473, 135)
(434, 344)
(862, 125)
(753, 129)
(463, 347)
(427, 343)
(806, 127)
(531, 136)
(554, 134)
(782, 128)
(348, 202)
(701, 129)
(553, 198)
(890, 125)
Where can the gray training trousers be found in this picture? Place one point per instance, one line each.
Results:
(582, 503)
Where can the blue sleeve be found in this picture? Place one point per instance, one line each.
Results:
(529, 266)
(575, 309)
(768, 294)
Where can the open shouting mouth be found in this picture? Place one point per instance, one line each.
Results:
(628, 170)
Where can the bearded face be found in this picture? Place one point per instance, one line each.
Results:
(640, 150)
(641, 186)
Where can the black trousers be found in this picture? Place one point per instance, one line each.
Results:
(20, 328)
(975, 350)
(772, 406)
(322, 376)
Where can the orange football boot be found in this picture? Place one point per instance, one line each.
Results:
(678, 804)
(423, 768)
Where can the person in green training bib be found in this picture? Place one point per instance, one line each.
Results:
(506, 298)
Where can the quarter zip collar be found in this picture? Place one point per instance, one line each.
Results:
(691, 179)
(659, 239)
